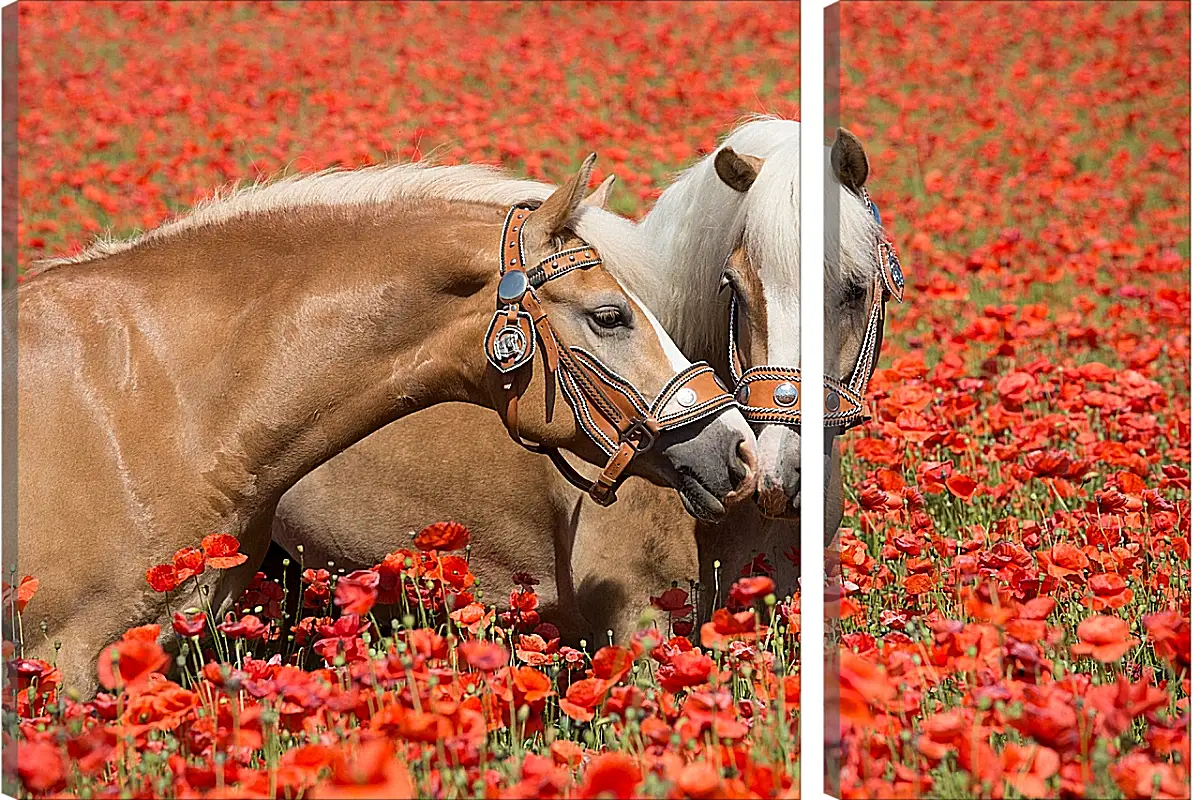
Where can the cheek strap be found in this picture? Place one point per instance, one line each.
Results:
(607, 407)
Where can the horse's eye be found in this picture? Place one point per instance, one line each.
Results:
(854, 294)
(726, 281)
(608, 317)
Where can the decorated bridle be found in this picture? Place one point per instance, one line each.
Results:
(771, 395)
(608, 408)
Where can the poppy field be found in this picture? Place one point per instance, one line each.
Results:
(401, 680)
(1013, 577)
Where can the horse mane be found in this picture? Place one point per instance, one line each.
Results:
(855, 237)
(698, 220)
(331, 188)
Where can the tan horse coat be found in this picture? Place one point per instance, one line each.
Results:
(177, 385)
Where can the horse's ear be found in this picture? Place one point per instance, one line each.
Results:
(737, 171)
(552, 215)
(600, 195)
(849, 161)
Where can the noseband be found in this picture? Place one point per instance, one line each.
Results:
(607, 407)
(771, 395)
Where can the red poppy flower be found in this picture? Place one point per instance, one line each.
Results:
(961, 486)
(644, 641)
(612, 664)
(1104, 638)
(142, 633)
(248, 627)
(688, 668)
(26, 589)
(483, 656)
(861, 686)
(1027, 768)
(727, 626)
(566, 753)
(128, 664)
(1171, 633)
(918, 584)
(188, 563)
(189, 626)
(221, 551)
(674, 601)
(473, 617)
(533, 684)
(875, 499)
(442, 536)
(42, 767)
(458, 576)
(582, 697)
(614, 775)
(1109, 591)
(1063, 560)
(371, 769)
(356, 593)
(162, 578)
(747, 590)
(699, 780)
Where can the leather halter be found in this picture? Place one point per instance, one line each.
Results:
(771, 395)
(607, 407)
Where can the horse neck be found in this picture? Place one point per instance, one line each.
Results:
(304, 335)
(692, 229)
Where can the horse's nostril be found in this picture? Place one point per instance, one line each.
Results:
(743, 471)
(748, 453)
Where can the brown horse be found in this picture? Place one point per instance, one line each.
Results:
(730, 220)
(178, 384)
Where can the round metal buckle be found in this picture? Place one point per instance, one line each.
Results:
(513, 286)
(686, 397)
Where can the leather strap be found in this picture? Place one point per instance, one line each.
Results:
(608, 408)
(771, 395)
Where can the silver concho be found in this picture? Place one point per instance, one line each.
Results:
(510, 343)
(686, 397)
(513, 286)
(786, 395)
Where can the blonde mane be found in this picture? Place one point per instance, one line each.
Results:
(334, 188)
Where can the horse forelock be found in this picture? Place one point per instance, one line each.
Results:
(698, 220)
(850, 246)
(772, 241)
(333, 188)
